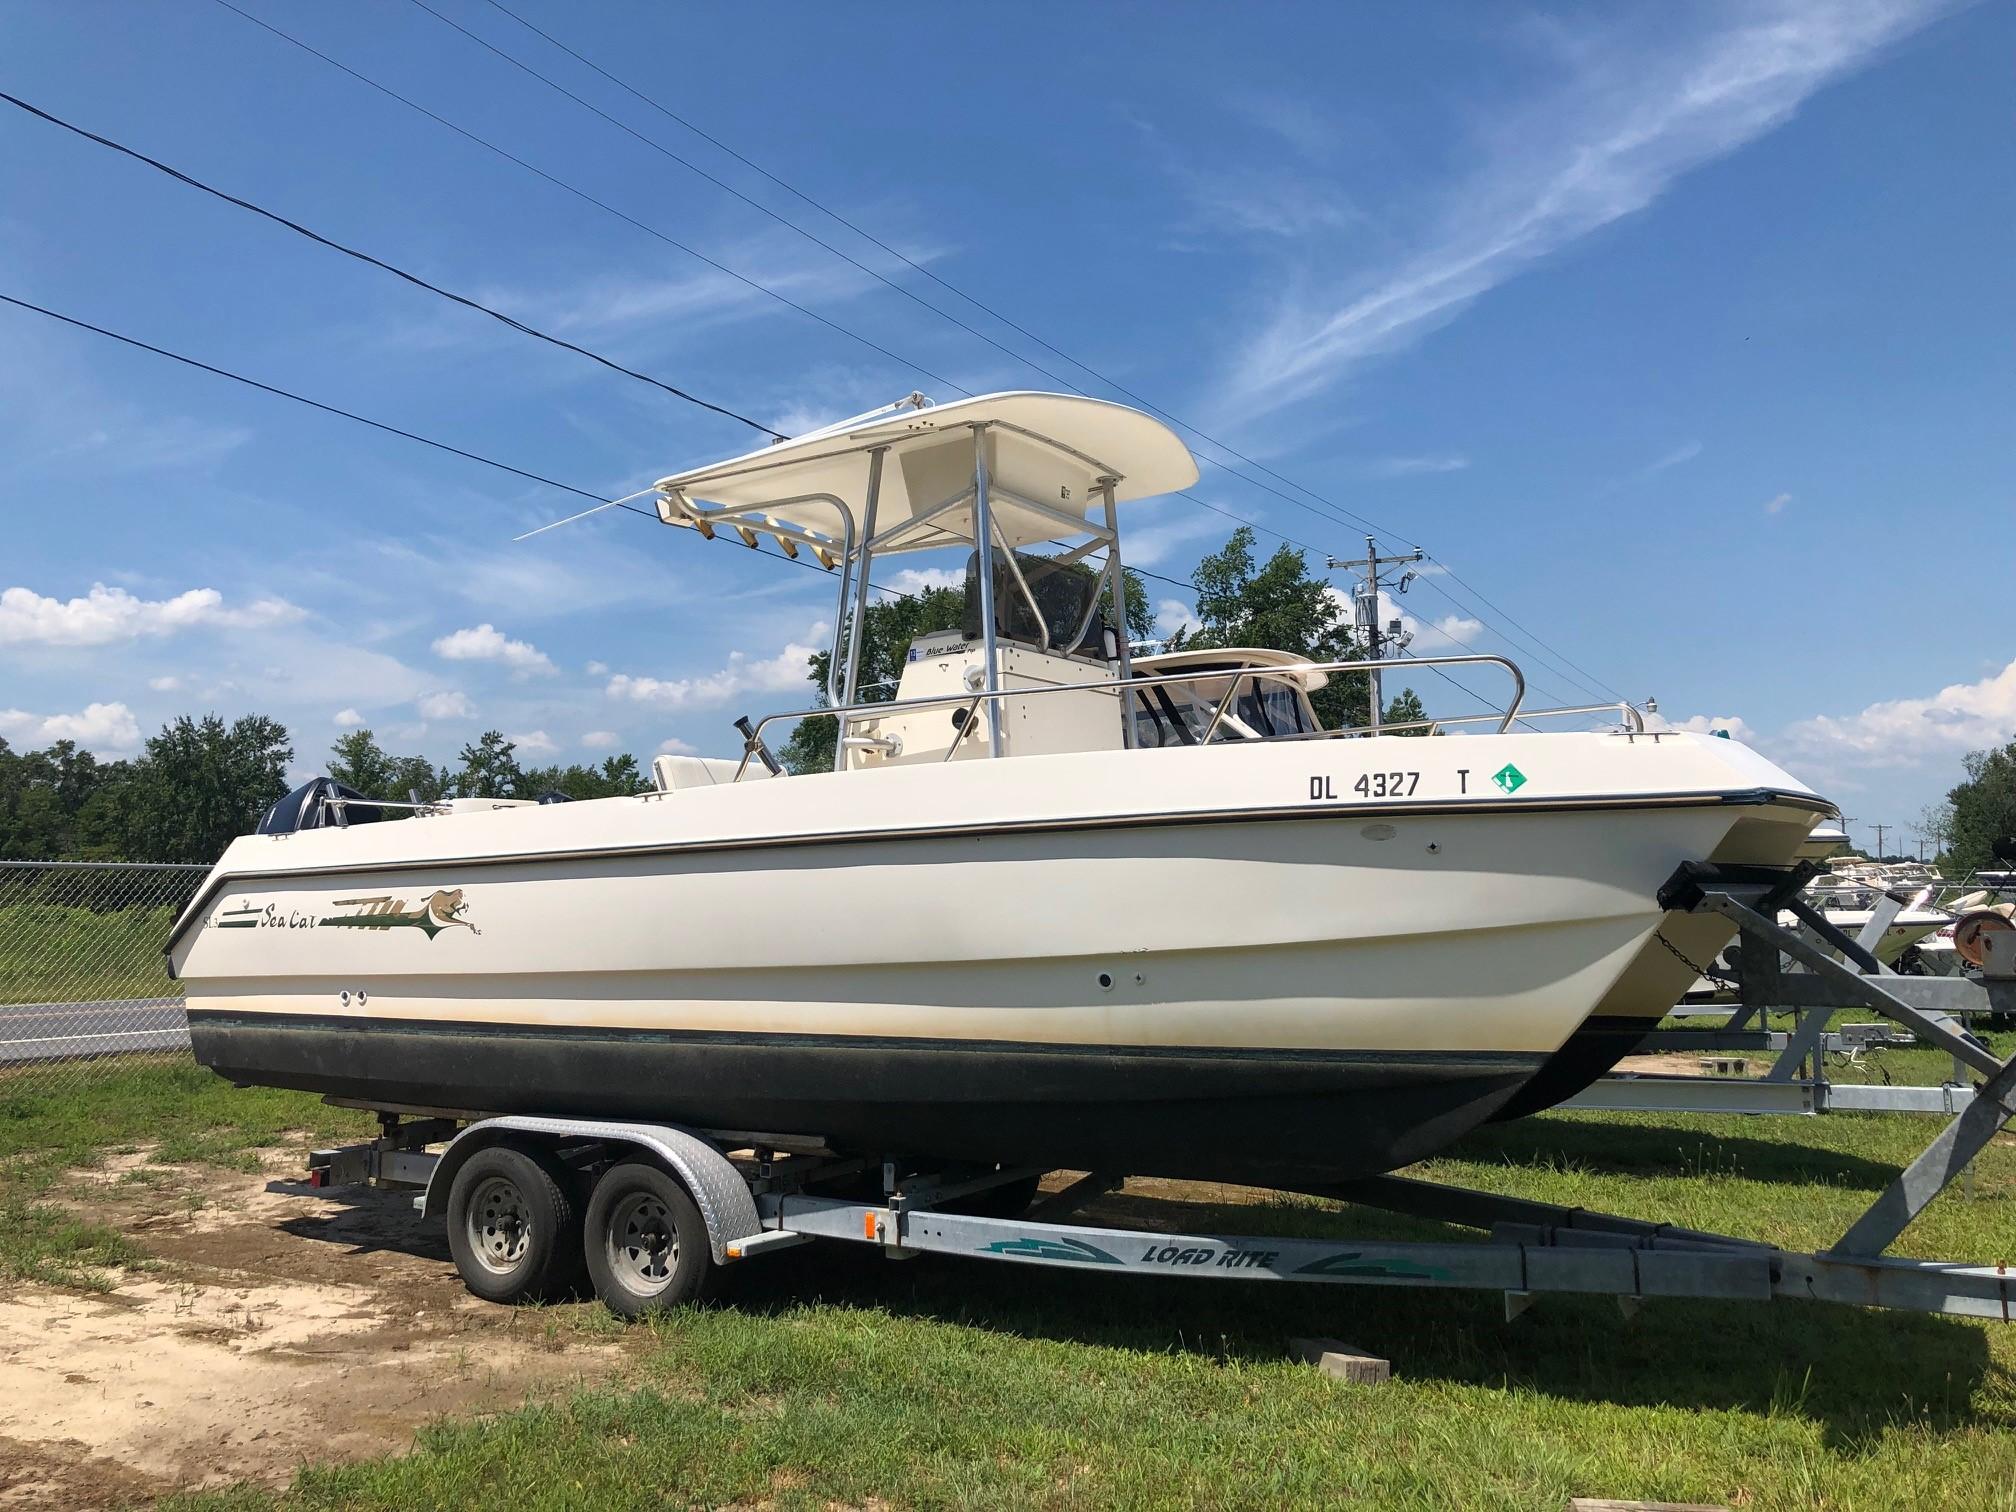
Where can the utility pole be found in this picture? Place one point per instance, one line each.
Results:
(1846, 820)
(1880, 828)
(1365, 605)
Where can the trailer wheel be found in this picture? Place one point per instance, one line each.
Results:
(647, 1244)
(513, 1227)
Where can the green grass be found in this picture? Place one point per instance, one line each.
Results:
(39, 1242)
(829, 1375)
(50, 1125)
(54, 953)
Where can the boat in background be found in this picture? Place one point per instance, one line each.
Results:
(1037, 914)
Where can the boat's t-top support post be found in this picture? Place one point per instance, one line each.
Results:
(851, 680)
(983, 543)
(1116, 591)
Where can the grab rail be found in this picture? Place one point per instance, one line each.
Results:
(753, 739)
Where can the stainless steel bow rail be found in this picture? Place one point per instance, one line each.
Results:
(751, 1193)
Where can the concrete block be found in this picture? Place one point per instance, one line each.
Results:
(1341, 1361)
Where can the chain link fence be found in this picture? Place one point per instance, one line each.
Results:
(83, 982)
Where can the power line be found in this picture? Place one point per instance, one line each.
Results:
(603, 205)
(649, 230)
(1336, 513)
(418, 282)
(329, 409)
(662, 236)
(1516, 625)
(377, 425)
(377, 262)
(443, 446)
(926, 272)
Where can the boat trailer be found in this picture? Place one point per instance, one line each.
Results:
(1812, 971)
(651, 1208)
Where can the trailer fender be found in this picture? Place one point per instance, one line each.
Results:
(718, 1189)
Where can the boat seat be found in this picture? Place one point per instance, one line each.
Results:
(672, 773)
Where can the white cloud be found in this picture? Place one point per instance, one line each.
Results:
(164, 684)
(1903, 731)
(1627, 120)
(103, 727)
(1773, 505)
(674, 746)
(106, 615)
(597, 669)
(486, 643)
(787, 671)
(1685, 452)
(154, 445)
(1409, 467)
(534, 743)
(1146, 545)
(917, 579)
(450, 703)
(601, 740)
(1172, 615)
(348, 719)
(1458, 629)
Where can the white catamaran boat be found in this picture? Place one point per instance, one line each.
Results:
(1039, 913)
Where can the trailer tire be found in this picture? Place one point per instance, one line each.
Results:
(513, 1225)
(646, 1243)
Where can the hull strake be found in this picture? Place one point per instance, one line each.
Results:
(1254, 1115)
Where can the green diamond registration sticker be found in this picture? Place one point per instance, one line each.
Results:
(1509, 778)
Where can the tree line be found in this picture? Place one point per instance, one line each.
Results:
(201, 783)
(1977, 814)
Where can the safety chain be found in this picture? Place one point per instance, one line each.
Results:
(1726, 978)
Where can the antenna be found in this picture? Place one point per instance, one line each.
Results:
(1365, 603)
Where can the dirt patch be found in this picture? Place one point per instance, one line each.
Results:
(277, 1326)
(1681, 1065)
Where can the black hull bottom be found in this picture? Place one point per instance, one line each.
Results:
(1268, 1117)
(1588, 1054)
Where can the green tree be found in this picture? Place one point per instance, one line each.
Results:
(887, 630)
(1983, 810)
(1405, 708)
(1280, 606)
(489, 769)
(201, 784)
(618, 777)
(357, 759)
(56, 804)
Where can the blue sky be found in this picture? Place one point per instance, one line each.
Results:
(1680, 333)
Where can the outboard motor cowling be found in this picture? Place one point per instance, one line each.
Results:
(308, 807)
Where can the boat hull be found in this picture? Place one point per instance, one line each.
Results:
(1306, 992)
(1280, 1117)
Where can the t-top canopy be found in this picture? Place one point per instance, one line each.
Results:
(1049, 456)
